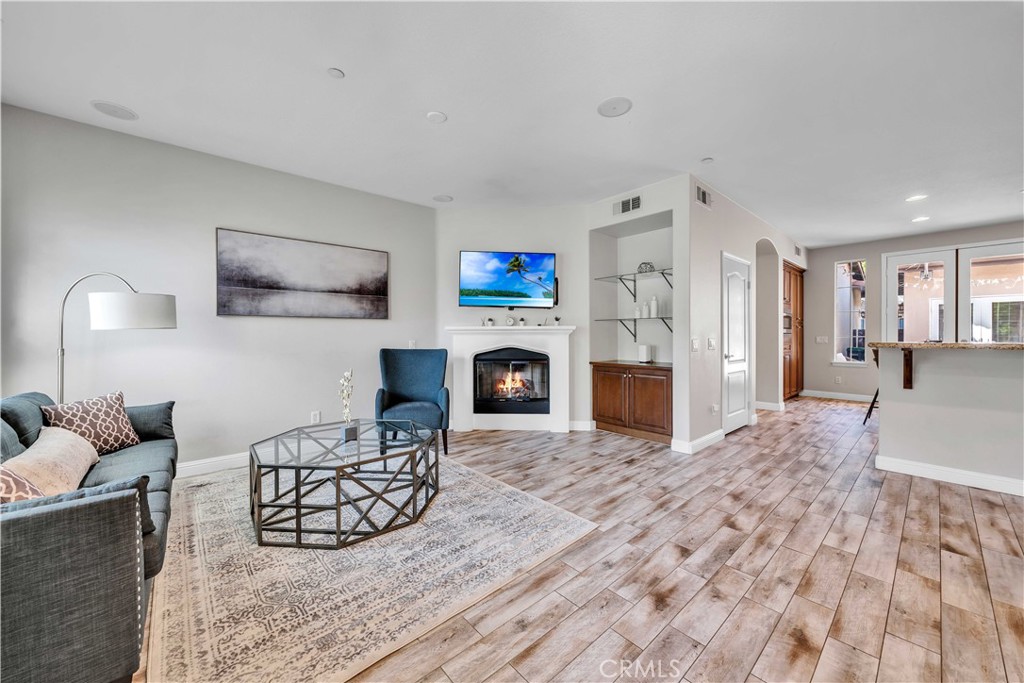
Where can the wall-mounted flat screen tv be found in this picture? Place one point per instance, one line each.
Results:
(514, 279)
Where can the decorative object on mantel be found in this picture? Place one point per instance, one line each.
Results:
(232, 610)
(350, 432)
(117, 311)
(645, 267)
(280, 276)
(510, 320)
(522, 322)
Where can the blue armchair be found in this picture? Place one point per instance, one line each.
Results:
(414, 388)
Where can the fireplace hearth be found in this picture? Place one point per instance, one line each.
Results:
(511, 380)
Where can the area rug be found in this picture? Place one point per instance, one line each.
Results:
(225, 609)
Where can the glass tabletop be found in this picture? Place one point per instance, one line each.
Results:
(334, 444)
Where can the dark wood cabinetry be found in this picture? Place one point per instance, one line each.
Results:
(792, 330)
(633, 398)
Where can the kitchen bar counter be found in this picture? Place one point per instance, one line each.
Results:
(950, 415)
(959, 346)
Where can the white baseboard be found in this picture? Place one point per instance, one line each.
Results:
(582, 426)
(766, 405)
(193, 468)
(703, 442)
(832, 394)
(952, 475)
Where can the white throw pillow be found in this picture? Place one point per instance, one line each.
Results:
(57, 462)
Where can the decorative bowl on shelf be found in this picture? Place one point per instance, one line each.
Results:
(645, 267)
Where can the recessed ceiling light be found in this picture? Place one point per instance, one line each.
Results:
(614, 106)
(115, 110)
(335, 72)
(437, 116)
(916, 198)
(443, 198)
(707, 160)
(920, 219)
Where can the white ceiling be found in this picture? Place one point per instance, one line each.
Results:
(821, 117)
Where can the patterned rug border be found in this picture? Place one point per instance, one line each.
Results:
(158, 596)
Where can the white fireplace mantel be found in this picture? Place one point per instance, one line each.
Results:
(468, 341)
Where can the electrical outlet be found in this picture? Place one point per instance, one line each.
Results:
(711, 344)
(821, 340)
(412, 343)
(714, 408)
(695, 345)
(838, 380)
(314, 417)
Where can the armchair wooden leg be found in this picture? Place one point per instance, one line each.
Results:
(444, 440)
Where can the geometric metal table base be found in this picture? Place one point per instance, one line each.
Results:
(310, 488)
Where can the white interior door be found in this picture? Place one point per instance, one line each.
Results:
(735, 343)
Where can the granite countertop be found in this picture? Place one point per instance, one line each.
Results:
(633, 363)
(961, 346)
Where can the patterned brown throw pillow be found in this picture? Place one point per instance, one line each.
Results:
(102, 421)
(14, 487)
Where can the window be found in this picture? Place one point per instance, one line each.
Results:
(850, 303)
(971, 294)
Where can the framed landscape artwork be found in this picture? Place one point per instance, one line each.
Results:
(280, 276)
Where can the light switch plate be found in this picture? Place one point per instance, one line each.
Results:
(711, 344)
(695, 345)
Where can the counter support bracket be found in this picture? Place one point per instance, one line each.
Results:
(908, 368)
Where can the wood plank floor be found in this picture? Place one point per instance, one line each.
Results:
(780, 554)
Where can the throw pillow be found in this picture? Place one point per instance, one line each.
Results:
(152, 421)
(56, 463)
(14, 487)
(101, 420)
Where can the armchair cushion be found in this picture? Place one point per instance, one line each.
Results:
(424, 412)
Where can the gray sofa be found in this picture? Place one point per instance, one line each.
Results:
(77, 568)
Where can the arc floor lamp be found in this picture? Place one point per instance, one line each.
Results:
(117, 311)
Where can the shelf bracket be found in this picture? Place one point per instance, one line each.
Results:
(669, 282)
(666, 325)
(632, 331)
(625, 283)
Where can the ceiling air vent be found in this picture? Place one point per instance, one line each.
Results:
(702, 196)
(798, 249)
(626, 205)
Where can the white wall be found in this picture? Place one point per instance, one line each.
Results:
(725, 226)
(656, 247)
(78, 199)
(819, 302)
(768, 324)
(561, 230)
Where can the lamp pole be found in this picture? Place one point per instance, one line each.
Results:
(60, 336)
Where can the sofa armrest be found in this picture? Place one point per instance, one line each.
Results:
(71, 595)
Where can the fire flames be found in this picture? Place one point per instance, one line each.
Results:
(512, 386)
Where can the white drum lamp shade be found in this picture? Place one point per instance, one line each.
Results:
(131, 310)
(116, 311)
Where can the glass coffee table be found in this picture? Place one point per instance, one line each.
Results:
(331, 485)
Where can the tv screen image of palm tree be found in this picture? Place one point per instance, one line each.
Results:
(504, 278)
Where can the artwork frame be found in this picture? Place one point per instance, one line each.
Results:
(286, 277)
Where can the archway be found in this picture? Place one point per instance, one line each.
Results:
(768, 326)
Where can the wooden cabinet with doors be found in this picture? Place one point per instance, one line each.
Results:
(633, 398)
(792, 330)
